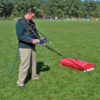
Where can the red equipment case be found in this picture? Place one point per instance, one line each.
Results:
(77, 64)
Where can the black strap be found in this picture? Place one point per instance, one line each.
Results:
(33, 30)
(26, 23)
(40, 33)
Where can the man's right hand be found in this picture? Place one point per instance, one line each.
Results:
(35, 41)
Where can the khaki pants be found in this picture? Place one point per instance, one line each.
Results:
(28, 59)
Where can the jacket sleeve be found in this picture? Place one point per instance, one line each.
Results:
(20, 33)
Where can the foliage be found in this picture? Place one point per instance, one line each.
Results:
(59, 8)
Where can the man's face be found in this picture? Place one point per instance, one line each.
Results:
(31, 16)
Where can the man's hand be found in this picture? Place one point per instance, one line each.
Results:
(44, 44)
(35, 41)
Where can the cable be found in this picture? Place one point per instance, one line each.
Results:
(14, 62)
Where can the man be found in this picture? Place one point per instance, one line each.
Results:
(25, 29)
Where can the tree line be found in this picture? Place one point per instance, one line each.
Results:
(59, 8)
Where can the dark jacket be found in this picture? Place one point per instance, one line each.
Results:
(23, 32)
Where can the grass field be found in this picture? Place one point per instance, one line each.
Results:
(70, 38)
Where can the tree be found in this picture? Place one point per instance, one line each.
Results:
(1, 7)
(59, 8)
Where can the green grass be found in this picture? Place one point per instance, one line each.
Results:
(71, 39)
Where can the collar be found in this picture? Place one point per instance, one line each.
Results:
(24, 17)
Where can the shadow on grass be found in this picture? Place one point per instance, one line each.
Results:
(40, 68)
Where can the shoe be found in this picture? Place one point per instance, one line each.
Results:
(37, 78)
(22, 87)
